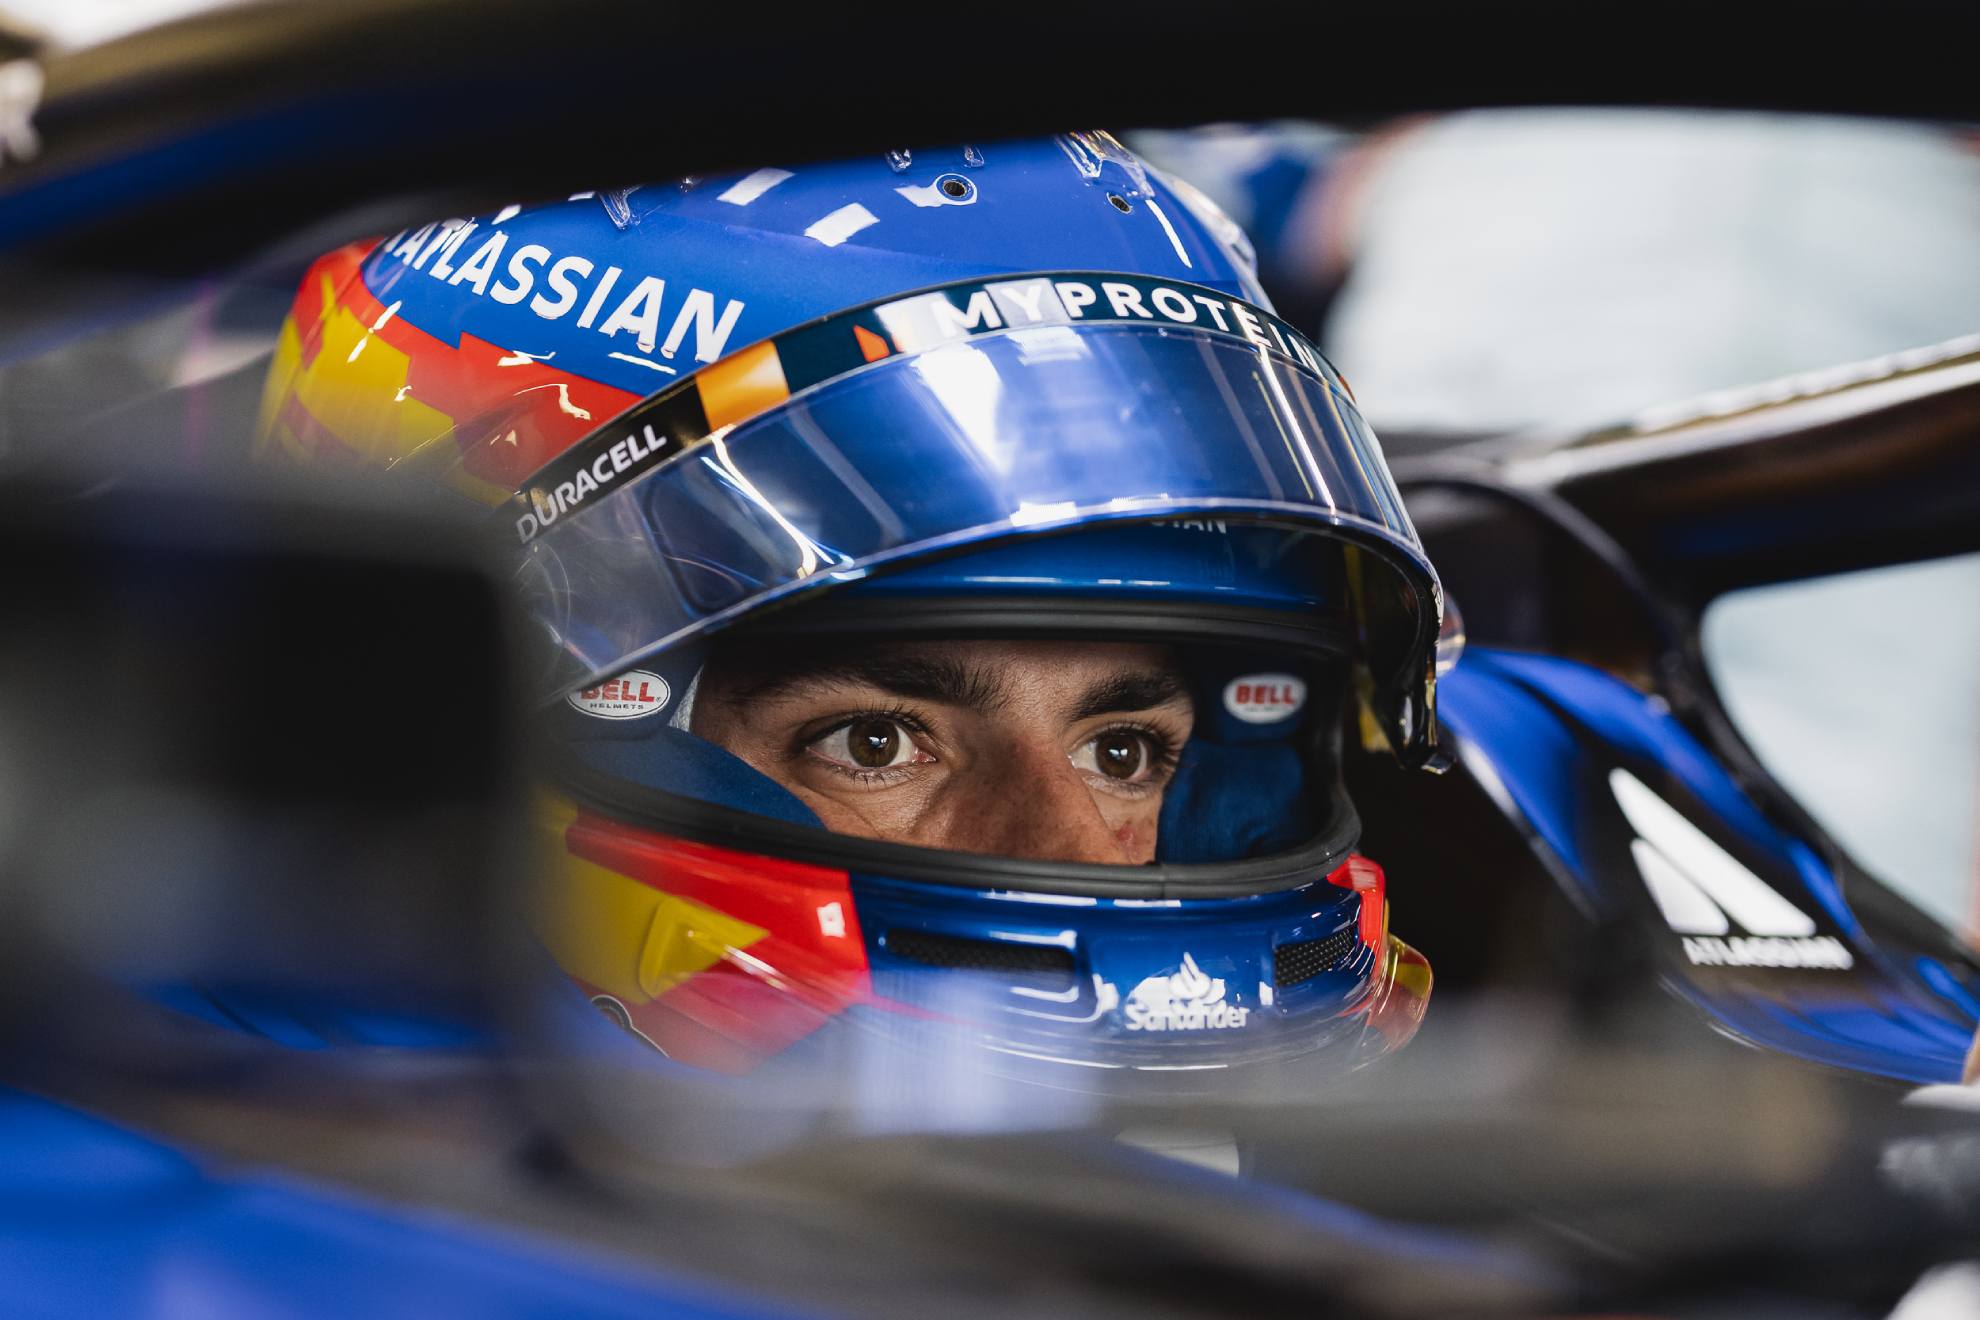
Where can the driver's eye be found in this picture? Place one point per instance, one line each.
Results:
(1120, 754)
(869, 743)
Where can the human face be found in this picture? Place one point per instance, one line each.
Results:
(1057, 751)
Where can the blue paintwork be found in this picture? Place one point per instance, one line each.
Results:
(883, 468)
(155, 172)
(1551, 729)
(98, 1221)
(1500, 1262)
(1031, 207)
(299, 1020)
(1115, 945)
(1946, 983)
(1253, 567)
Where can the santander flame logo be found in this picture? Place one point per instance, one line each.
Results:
(1188, 999)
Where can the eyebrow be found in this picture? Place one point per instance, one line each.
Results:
(1138, 690)
(924, 678)
(945, 681)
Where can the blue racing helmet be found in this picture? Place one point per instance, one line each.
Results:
(1031, 392)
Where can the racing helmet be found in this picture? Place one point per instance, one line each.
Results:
(781, 423)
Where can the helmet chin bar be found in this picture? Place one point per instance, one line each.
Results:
(744, 956)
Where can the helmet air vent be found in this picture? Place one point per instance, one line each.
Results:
(1299, 962)
(958, 952)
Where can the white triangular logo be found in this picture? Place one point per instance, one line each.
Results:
(1702, 890)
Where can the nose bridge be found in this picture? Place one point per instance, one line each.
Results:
(1040, 808)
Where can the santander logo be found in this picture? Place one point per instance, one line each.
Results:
(1265, 698)
(626, 697)
(1189, 999)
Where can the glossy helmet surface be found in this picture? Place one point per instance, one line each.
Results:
(1027, 391)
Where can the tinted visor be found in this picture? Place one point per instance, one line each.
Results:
(648, 534)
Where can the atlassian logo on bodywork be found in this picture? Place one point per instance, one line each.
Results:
(1264, 698)
(1187, 1000)
(626, 697)
(1702, 890)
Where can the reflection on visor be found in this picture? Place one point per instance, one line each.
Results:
(957, 417)
(1025, 431)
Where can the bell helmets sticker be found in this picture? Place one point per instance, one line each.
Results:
(627, 697)
(1265, 698)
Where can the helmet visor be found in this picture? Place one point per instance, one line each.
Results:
(966, 427)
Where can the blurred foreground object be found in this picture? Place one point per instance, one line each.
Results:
(241, 749)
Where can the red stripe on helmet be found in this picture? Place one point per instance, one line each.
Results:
(1366, 879)
(809, 965)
